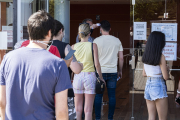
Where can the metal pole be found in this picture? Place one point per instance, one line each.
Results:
(47, 6)
(62, 13)
(19, 26)
(165, 6)
(165, 10)
(132, 118)
(14, 22)
(133, 30)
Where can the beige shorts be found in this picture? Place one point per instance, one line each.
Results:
(84, 82)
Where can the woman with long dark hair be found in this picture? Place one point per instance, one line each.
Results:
(156, 71)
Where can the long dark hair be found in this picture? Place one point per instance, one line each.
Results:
(154, 48)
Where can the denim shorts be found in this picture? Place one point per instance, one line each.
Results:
(155, 88)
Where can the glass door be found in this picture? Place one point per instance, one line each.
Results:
(132, 26)
(148, 16)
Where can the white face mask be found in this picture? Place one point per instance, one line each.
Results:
(43, 42)
(63, 39)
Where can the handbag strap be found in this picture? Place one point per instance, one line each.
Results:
(93, 57)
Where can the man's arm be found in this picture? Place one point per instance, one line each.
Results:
(75, 66)
(2, 101)
(93, 26)
(121, 62)
(62, 85)
(61, 105)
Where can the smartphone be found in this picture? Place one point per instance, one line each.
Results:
(118, 78)
(178, 100)
(70, 54)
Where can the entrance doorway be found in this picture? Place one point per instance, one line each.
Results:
(130, 89)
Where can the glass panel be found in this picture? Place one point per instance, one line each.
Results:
(150, 11)
(28, 7)
(6, 20)
(6, 23)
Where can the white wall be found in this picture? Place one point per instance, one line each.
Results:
(9, 14)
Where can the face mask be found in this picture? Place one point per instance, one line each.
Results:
(43, 42)
(63, 39)
(100, 32)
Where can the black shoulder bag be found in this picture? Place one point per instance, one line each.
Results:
(100, 85)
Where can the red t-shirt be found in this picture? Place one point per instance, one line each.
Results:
(53, 49)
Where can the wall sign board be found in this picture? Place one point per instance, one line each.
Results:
(140, 30)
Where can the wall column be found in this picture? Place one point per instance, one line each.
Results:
(62, 14)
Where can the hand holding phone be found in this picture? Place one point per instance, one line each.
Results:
(68, 62)
(118, 78)
(70, 54)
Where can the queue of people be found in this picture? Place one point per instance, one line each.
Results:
(35, 79)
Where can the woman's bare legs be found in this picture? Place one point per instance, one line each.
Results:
(161, 105)
(151, 109)
(79, 99)
(88, 107)
(162, 108)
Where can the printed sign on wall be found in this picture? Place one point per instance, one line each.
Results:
(140, 30)
(3, 40)
(170, 51)
(9, 30)
(169, 29)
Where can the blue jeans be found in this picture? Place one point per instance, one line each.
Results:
(111, 80)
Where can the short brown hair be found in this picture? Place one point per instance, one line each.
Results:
(39, 24)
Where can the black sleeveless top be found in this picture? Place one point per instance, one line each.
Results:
(61, 48)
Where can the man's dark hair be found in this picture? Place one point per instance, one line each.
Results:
(87, 19)
(58, 27)
(154, 48)
(105, 25)
(39, 25)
